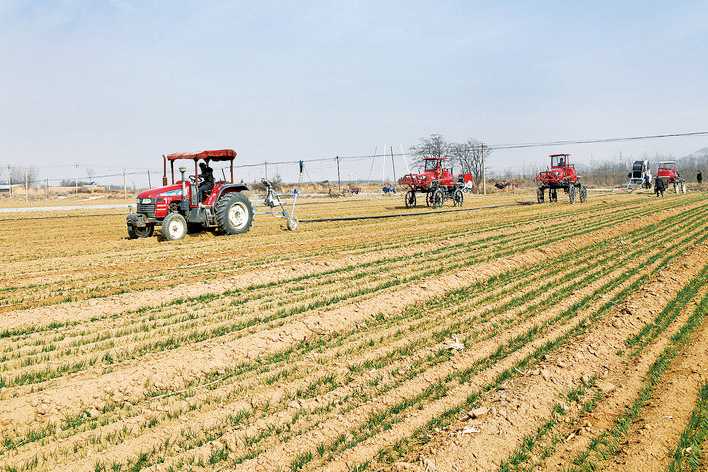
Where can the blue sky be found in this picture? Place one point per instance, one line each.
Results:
(118, 83)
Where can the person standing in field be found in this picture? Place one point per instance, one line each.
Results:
(699, 177)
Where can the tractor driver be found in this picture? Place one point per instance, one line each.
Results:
(207, 183)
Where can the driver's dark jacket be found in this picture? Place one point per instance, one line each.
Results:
(207, 182)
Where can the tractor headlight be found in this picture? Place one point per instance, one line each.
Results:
(146, 201)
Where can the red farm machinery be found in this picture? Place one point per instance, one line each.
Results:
(199, 201)
(437, 182)
(560, 176)
(667, 171)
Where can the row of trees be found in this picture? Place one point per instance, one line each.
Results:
(18, 174)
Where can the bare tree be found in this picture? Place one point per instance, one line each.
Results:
(433, 146)
(470, 156)
(18, 174)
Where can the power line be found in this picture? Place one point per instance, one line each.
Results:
(596, 141)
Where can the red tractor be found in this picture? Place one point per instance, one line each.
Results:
(561, 175)
(436, 182)
(181, 206)
(668, 172)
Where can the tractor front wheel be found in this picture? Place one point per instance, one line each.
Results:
(174, 227)
(540, 195)
(136, 233)
(234, 213)
(409, 199)
(583, 194)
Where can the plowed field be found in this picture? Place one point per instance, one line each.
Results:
(501, 337)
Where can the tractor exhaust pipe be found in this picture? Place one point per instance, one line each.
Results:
(182, 170)
(185, 202)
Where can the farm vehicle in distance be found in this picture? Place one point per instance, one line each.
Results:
(668, 173)
(437, 183)
(640, 176)
(560, 176)
(180, 207)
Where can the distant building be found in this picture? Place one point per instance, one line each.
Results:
(4, 188)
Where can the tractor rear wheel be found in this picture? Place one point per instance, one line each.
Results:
(135, 233)
(234, 213)
(540, 195)
(174, 227)
(571, 193)
(583, 194)
(409, 199)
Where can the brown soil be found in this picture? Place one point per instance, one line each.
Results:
(122, 393)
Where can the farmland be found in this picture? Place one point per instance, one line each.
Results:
(500, 337)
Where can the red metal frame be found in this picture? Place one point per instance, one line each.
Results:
(668, 170)
(421, 181)
(560, 173)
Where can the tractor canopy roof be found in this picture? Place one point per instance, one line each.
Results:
(559, 155)
(212, 155)
(435, 158)
(667, 163)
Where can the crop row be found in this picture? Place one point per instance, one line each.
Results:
(608, 443)
(628, 287)
(544, 441)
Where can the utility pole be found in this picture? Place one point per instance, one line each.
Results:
(150, 183)
(9, 178)
(46, 189)
(76, 179)
(339, 180)
(265, 166)
(484, 170)
(393, 165)
(26, 187)
(125, 187)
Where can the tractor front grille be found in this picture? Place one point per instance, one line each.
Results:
(147, 209)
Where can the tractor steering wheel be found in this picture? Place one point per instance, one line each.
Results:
(196, 178)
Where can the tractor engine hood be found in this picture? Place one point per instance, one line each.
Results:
(174, 190)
